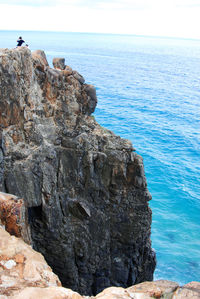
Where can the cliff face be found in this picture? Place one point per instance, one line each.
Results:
(84, 187)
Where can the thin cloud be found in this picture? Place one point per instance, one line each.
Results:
(121, 4)
(190, 5)
(124, 4)
(34, 3)
(187, 3)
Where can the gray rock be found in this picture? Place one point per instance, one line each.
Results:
(85, 187)
(78, 77)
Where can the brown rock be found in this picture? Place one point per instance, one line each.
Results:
(59, 63)
(46, 293)
(40, 56)
(13, 215)
(190, 290)
(113, 293)
(154, 289)
(19, 258)
(67, 71)
(22, 267)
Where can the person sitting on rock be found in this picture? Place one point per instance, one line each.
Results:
(20, 41)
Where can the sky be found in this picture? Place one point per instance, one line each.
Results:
(172, 18)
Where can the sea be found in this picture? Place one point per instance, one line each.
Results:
(148, 91)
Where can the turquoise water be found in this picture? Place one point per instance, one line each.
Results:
(149, 92)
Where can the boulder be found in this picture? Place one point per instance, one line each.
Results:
(40, 60)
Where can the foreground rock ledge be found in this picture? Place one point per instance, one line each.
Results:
(84, 187)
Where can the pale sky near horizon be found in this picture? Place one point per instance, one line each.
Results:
(173, 18)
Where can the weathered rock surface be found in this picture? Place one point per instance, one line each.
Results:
(59, 63)
(84, 187)
(155, 289)
(14, 217)
(22, 267)
(189, 290)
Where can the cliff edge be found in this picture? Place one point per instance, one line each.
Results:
(84, 187)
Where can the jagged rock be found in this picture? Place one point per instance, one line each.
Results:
(13, 216)
(80, 78)
(22, 267)
(67, 71)
(91, 91)
(189, 290)
(155, 289)
(84, 187)
(59, 63)
(40, 56)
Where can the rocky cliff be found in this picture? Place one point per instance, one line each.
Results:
(84, 187)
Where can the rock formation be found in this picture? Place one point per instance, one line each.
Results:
(84, 187)
(14, 216)
(25, 274)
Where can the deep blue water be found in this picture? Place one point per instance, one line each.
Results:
(149, 92)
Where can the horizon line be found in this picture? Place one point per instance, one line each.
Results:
(106, 33)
